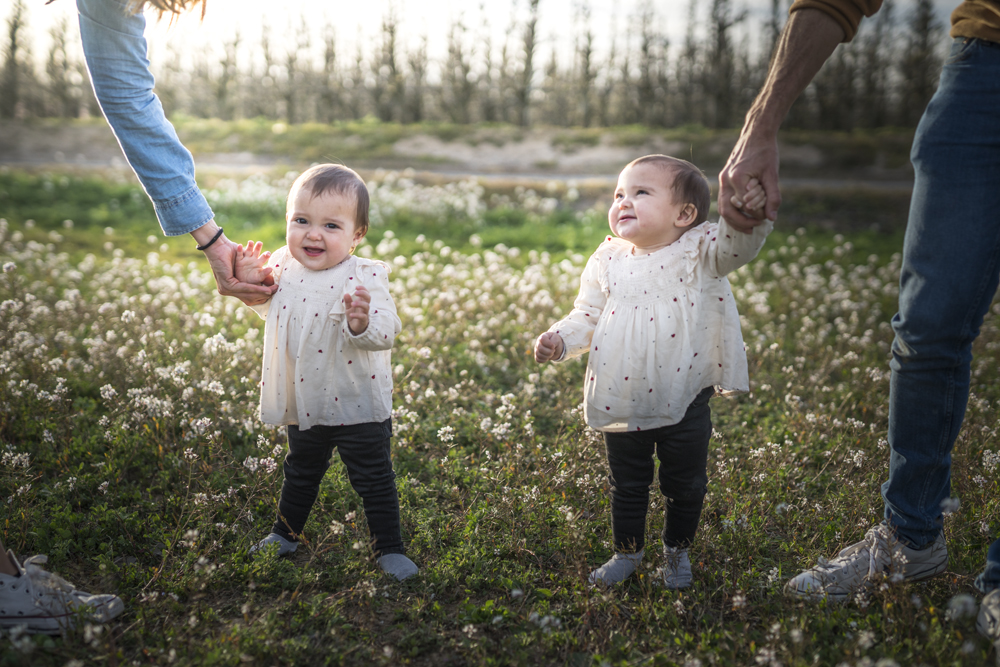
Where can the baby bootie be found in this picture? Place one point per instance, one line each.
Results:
(618, 569)
(676, 570)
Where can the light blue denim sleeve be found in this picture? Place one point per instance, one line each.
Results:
(115, 50)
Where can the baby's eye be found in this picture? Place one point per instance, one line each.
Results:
(300, 221)
(641, 192)
(332, 225)
(619, 195)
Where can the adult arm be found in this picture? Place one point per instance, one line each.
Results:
(115, 51)
(809, 38)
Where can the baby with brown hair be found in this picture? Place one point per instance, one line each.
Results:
(657, 316)
(326, 373)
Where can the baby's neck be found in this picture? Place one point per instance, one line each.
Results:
(661, 243)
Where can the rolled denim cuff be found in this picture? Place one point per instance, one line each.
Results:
(183, 214)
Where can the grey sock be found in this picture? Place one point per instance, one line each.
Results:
(616, 570)
(398, 566)
(284, 546)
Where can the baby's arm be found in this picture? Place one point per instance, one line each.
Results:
(251, 264)
(371, 312)
(358, 306)
(549, 346)
(570, 337)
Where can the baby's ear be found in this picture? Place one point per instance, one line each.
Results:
(687, 216)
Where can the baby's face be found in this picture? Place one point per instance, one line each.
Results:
(644, 211)
(321, 230)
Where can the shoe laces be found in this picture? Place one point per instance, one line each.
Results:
(42, 579)
(882, 550)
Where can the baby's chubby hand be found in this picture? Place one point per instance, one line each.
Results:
(250, 265)
(357, 310)
(549, 346)
(753, 200)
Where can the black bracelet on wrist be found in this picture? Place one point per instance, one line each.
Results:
(214, 239)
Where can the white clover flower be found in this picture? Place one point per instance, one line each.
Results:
(9, 267)
(950, 505)
(108, 392)
(962, 606)
(103, 488)
(446, 434)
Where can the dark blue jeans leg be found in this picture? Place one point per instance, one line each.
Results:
(951, 256)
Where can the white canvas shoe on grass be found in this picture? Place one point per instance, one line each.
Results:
(988, 622)
(46, 603)
(676, 570)
(880, 554)
(284, 546)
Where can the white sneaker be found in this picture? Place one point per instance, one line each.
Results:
(676, 570)
(46, 603)
(856, 566)
(284, 546)
(988, 622)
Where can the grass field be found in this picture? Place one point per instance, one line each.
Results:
(133, 458)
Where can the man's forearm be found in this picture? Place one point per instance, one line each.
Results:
(808, 40)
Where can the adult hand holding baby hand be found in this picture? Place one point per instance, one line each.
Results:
(549, 346)
(357, 310)
(222, 255)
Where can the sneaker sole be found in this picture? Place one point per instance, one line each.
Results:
(988, 621)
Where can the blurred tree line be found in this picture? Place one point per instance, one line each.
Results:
(883, 78)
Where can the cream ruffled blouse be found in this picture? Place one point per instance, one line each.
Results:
(315, 370)
(659, 327)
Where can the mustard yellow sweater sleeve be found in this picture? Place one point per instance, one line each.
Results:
(972, 18)
(847, 13)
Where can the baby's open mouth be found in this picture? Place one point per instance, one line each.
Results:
(313, 252)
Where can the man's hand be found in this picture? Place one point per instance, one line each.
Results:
(357, 310)
(753, 159)
(808, 39)
(549, 346)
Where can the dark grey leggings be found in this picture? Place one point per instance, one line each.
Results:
(364, 449)
(682, 449)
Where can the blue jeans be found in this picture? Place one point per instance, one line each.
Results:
(950, 270)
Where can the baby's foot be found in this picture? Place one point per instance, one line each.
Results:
(284, 546)
(676, 571)
(616, 570)
(398, 566)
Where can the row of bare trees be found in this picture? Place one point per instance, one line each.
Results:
(884, 77)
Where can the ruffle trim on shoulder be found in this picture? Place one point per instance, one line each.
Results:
(363, 263)
(694, 240)
(613, 245)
